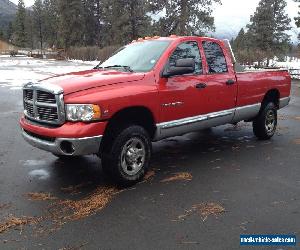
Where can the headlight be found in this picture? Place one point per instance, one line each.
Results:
(82, 112)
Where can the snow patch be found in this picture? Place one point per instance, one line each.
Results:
(34, 163)
(40, 174)
(16, 71)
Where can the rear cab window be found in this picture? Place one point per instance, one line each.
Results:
(215, 57)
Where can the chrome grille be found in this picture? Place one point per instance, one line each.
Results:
(29, 109)
(28, 94)
(49, 114)
(45, 97)
(44, 103)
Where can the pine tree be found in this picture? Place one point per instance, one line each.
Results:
(19, 25)
(98, 17)
(71, 23)
(124, 21)
(1, 34)
(243, 48)
(90, 22)
(30, 30)
(9, 32)
(239, 46)
(51, 25)
(239, 42)
(297, 19)
(139, 21)
(268, 26)
(39, 21)
(186, 17)
(114, 25)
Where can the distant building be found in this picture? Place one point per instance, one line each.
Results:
(4, 46)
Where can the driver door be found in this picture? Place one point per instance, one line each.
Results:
(183, 96)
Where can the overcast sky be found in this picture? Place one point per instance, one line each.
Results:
(232, 15)
(28, 3)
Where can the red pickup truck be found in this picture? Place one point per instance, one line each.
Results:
(149, 90)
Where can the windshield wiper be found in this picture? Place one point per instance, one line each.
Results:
(98, 66)
(119, 66)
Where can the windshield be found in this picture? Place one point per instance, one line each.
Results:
(138, 57)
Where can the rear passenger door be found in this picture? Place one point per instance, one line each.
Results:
(221, 91)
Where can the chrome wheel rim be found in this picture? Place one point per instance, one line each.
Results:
(133, 156)
(270, 121)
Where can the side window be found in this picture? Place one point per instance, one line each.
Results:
(215, 57)
(187, 50)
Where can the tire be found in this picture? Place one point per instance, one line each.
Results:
(265, 124)
(126, 159)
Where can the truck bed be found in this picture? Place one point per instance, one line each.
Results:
(252, 85)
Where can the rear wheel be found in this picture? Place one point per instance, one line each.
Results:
(265, 125)
(126, 159)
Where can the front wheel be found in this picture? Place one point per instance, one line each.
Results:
(127, 158)
(264, 126)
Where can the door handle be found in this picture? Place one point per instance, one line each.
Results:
(201, 85)
(230, 82)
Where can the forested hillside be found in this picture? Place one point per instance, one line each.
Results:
(63, 24)
(85, 26)
(7, 13)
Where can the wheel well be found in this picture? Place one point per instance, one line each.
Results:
(134, 115)
(272, 95)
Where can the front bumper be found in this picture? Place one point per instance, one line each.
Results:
(65, 146)
(71, 139)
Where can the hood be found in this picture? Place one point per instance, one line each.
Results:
(78, 81)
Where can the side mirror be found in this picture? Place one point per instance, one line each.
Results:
(182, 67)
